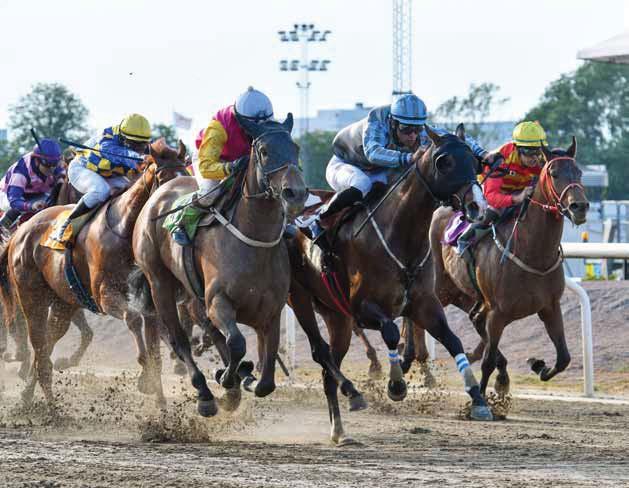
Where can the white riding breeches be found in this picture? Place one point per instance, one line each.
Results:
(96, 189)
(341, 175)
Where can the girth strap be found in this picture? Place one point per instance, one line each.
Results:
(74, 282)
(192, 274)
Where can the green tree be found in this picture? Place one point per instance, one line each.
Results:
(315, 153)
(52, 110)
(591, 103)
(8, 155)
(473, 109)
(166, 131)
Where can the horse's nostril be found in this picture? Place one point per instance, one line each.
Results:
(288, 194)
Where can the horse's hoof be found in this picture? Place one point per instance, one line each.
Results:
(180, 369)
(218, 374)
(245, 369)
(24, 372)
(207, 408)
(230, 400)
(397, 390)
(502, 387)
(160, 402)
(264, 389)
(375, 372)
(357, 403)
(536, 365)
(61, 364)
(482, 413)
(345, 441)
(144, 385)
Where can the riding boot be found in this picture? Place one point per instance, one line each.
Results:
(337, 203)
(9, 218)
(79, 209)
(465, 239)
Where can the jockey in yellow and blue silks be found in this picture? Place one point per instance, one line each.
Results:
(98, 174)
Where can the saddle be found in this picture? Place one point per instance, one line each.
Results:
(71, 231)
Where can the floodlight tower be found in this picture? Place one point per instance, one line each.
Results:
(304, 34)
(402, 46)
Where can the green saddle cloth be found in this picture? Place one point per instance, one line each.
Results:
(187, 218)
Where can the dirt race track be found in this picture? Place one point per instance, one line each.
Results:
(103, 434)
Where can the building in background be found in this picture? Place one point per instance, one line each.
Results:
(337, 118)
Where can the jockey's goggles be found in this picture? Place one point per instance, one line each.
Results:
(49, 163)
(407, 130)
(530, 152)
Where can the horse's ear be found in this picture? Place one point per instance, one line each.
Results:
(572, 150)
(460, 132)
(547, 154)
(252, 129)
(288, 123)
(181, 151)
(434, 137)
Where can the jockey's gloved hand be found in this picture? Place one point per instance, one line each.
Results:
(238, 165)
(37, 205)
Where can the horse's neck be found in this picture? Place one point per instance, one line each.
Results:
(540, 235)
(405, 217)
(127, 206)
(257, 218)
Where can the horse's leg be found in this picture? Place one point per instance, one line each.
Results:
(134, 323)
(553, 321)
(222, 314)
(86, 339)
(153, 365)
(301, 303)
(187, 324)
(375, 368)
(372, 317)
(421, 353)
(340, 330)
(495, 324)
(428, 313)
(162, 291)
(22, 351)
(268, 340)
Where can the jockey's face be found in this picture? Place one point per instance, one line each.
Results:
(137, 146)
(407, 135)
(530, 156)
(44, 168)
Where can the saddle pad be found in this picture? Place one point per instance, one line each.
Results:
(71, 231)
(456, 226)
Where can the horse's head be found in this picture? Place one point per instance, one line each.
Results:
(449, 168)
(560, 184)
(274, 164)
(167, 162)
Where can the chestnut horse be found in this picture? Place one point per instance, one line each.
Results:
(530, 281)
(387, 272)
(103, 260)
(243, 265)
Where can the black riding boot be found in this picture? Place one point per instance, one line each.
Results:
(9, 218)
(337, 203)
(80, 209)
(463, 242)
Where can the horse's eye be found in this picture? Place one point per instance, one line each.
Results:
(554, 173)
(264, 152)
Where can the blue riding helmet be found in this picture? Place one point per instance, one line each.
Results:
(409, 110)
(48, 151)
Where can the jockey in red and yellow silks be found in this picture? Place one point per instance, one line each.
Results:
(511, 182)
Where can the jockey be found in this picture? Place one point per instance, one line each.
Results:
(366, 151)
(97, 174)
(223, 146)
(28, 184)
(519, 162)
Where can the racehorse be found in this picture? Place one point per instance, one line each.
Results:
(385, 271)
(241, 265)
(101, 252)
(530, 281)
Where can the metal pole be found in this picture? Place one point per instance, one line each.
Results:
(586, 337)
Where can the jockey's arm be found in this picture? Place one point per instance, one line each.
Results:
(495, 197)
(375, 141)
(210, 164)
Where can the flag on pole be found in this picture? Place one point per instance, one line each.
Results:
(181, 122)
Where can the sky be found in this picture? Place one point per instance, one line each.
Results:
(153, 57)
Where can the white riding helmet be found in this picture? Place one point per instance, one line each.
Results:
(254, 105)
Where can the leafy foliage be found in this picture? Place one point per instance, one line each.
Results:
(316, 151)
(166, 131)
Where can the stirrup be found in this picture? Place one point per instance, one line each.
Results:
(180, 236)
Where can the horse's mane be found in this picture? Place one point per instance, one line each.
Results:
(162, 150)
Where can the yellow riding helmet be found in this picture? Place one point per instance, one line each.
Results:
(136, 128)
(529, 134)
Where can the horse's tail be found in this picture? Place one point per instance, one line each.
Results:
(139, 292)
(7, 295)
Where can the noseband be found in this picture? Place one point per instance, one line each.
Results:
(555, 199)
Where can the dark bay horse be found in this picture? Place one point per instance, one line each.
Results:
(102, 256)
(386, 271)
(530, 281)
(243, 268)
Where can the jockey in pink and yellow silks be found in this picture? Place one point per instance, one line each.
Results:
(224, 146)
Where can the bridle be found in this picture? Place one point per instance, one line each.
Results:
(555, 199)
(268, 192)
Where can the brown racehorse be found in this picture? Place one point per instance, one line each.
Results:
(530, 281)
(103, 259)
(244, 269)
(378, 289)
